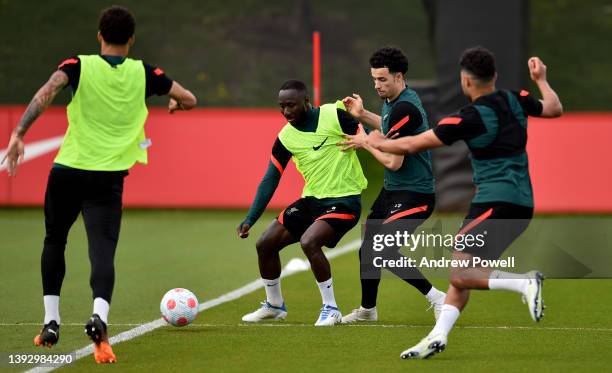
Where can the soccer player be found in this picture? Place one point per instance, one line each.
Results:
(407, 198)
(330, 203)
(494, 127)
(105, 137)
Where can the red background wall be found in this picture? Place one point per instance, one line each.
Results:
(216, 158)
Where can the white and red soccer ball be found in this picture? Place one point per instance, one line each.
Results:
(179, 307)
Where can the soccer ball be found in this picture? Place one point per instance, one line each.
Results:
(179, 307)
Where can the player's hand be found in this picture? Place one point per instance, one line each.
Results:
(537, 69)
(354, 105)
(243, 230)
(14, 154)
(355, 141)
(173, 106)
(375, 139)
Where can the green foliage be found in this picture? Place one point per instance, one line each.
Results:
(571, 37)
(229, 53)
(235, 53)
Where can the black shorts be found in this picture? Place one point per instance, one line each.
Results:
(497, 223)
(342, 214)
(401, 209)
(393, 211)
(397, 211)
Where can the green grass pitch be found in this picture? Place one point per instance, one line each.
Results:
(198, 250)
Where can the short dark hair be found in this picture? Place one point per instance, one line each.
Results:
(298, 85)
(478, 61)
(390, 57)
(117, 25)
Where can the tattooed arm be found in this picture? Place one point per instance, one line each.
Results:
(42, 99)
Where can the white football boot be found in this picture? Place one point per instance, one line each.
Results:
(428, 346)
(329, 316)
(360, 314)
(266, 312)
(533, 295)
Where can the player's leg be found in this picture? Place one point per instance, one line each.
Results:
(456, 299)
(272, 241)
(62, 207)
(320, 234)
(102, 210)
(329, 226)
(503, 224)
(369, 276)
(404, 212)
(507, 223)
(412, 275)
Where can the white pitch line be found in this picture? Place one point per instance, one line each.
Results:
(372, 325)
(294, 266)
(369, 325)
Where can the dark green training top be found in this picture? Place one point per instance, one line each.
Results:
(494, 128)
(405, 115)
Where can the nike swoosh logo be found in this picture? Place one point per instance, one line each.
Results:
(315, 148)
(36, 149)
(394, 211)
(272, 284)
(52, 331)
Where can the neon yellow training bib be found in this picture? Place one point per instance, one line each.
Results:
(106, 117)
(327, 171)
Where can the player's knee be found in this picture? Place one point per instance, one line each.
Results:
(55, 241)
(310, 246)
(458, 280)
(263, 246)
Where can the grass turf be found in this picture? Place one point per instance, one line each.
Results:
(198, 250)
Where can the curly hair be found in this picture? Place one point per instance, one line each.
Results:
(479, 62)
(117, 25)
(390, 57)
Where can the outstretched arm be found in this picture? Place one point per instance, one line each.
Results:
(41, 101)
(551, 105)
(278, 162)
(404, 145)
(463, 125)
